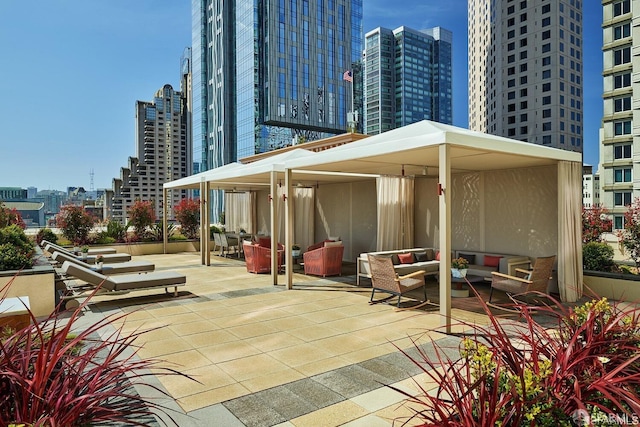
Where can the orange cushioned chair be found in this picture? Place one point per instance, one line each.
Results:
(324, 260)
(258, 257)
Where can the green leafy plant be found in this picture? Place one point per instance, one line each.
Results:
(460, 263)
(75, 223)
(116, 231)
(156, 232)
(50, 376)
(16, 250)
(187, 213)
(46, 234)
(141, 217)
(521, 373)
(216, 228)
(597, 256)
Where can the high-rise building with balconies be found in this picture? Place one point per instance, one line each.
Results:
(163, 152)
(620, 132)
(525, 70)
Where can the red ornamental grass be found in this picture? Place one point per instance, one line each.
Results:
(520, 373)
(53, 375)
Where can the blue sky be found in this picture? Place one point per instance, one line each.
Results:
(73, 69)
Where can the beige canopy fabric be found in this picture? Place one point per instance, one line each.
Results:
(426, 149)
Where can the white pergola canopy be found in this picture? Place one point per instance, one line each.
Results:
(424, 148)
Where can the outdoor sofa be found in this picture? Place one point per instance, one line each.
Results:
(405, 261)
(484, 263)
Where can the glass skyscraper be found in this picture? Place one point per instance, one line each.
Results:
(407, 77)
(266, 72)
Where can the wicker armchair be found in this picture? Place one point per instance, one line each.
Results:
(384, 278)
(525, 281)
(258, 258)
(324, 261)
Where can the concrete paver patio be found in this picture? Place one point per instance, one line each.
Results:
(318, 355)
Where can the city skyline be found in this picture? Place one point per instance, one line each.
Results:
(71, 89)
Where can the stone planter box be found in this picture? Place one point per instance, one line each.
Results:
(614, 286)
(153, 248)
(37, 283)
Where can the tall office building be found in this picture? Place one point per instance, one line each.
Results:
(267, 71)
(407, 77)
(163, 154)
(525, 70)
(618, 143)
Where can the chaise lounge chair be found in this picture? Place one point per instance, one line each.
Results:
(120, 283)
(94, 251)
(107, 269)
(91, 259)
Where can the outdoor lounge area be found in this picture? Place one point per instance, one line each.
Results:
(321, 355)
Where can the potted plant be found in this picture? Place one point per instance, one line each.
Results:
(295, 250)
(459, 267)
(99, 261)
(85, 252)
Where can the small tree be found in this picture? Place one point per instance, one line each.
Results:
(75, 223)
(10, 216)
(141, 217)
(594, 224)
(187, 213)
(630, 235)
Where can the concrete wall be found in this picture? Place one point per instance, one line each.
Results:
(38, 284)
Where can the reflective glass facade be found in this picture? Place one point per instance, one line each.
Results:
(407, 78)
(268, 71)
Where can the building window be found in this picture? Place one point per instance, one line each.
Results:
(511, 132)
(622, 127)
(511, 34)
(546, 113)
(621, 31)
(511, 120)
(523, 130)
(622, 198)
(546, 87)
(621, 7)
(523, 30)
(546, 139)
(511, 83)
(622, 104)
(511, 71)
(523, 67)
(523, 105)
(523, 92)
(622, 175)
(511, 58)
(546, 100)
(622, 56)
(511, 107)
(618, 222)
(621, 80)
(622, 151)
(511, 46)
(546, 34)
(546, 8)
(511, 95)
(546, 60)
(546, 21)
(546, 126)
(546, 47)
(523, 117)
(523, 55)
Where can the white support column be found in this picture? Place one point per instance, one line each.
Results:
(205, 220)
(274, 226)
(288, 216)
(444, 197)
(165, 238)
(203, 216)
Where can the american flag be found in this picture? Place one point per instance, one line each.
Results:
(347, 76)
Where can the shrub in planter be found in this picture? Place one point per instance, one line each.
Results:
(76, 223)
(46, 234)
(50, 376)
(141, 218)
(12, 258)
(116, 231)
(523, 374)
(597, 256)
(187, 213)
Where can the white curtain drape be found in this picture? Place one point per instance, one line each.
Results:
(239, 213)
(395, 212)
(303, 214)
(570, 231)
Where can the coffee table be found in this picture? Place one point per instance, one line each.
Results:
(464, 292)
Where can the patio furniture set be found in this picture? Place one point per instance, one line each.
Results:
(81, 276)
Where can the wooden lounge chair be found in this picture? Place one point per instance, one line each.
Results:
(119, 283)
(94, 251)
(525, 281)
(107, 269)
(385, 279)
(91, 259)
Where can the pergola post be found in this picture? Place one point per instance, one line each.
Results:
(165, 238)
(288, 236)
(205, 220)
(203, 209)
(444, 198)
(273, 200)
